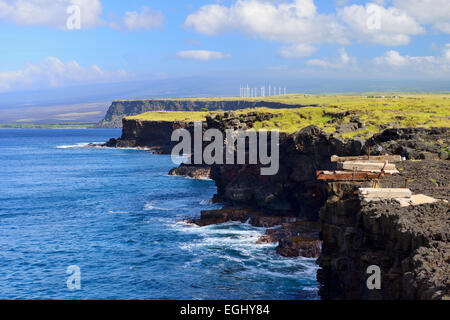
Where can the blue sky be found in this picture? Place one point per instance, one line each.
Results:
(250, 40)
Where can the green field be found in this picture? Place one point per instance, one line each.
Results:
(171, 116)
(374, 109)
(321, 99)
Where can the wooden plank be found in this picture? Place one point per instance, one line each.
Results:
(388, 158)
(369, 166)
(384, 193)
(347, 176)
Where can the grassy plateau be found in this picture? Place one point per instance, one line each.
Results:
(375, 110)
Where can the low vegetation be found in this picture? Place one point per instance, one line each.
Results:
(376, 111)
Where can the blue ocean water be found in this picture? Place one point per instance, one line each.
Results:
(116, 214)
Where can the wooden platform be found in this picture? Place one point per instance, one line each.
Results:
(415, 200)
(384, 193)
(324, 175)
(388, 158)
(368, 166)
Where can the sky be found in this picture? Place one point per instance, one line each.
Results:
(50, 44)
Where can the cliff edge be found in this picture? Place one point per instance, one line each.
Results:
(124, 108)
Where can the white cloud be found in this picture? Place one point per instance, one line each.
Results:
(296, 22)
(52, 72)
(203, 55)
(434, 12)
(322, 63)
(297, 51)
(345, 58)
(446, 54)
(376, 24)
(392, 58)
(433, 66)
(299, 24)
(50, 13)
(341, 61)
(145, 20)
(53, 13)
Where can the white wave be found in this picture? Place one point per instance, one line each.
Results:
(234, 244)
(150, 206)
(131, 148)
(117, 212)
(73, 146)
(191, 178)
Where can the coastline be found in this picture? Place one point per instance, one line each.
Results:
(312, 144)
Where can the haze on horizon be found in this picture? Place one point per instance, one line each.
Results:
(142, 49)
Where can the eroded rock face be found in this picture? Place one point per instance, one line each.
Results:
(191, 171)
(294, 188)
(299, 246)
(410, 245)
(155, 135)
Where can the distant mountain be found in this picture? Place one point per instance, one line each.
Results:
(90, 102)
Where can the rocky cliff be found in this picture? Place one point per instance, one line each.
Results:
(120, 109)
(154, 135)
(410, 245)
(295, 187)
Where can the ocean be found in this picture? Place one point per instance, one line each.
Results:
(117, 216)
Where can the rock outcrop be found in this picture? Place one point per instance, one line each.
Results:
(156, 135)
(410, 246)
(295, 237)
(294, 188)
(412, 143)
(192, 171)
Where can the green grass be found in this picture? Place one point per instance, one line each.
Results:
(406, 110)
(171, 116)
(323, 99)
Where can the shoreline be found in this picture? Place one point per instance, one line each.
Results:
(238, 188)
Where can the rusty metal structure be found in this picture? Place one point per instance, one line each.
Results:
(359, 176)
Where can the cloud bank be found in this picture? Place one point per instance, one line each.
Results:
(52, 73)
(298, 23)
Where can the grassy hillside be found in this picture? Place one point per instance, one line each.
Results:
(374, 110)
